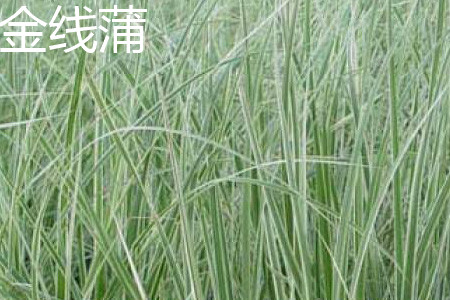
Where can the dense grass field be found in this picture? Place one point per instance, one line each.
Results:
(256, 150)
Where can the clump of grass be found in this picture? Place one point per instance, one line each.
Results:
(255, 150)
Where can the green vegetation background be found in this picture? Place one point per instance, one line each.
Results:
(257, 149)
